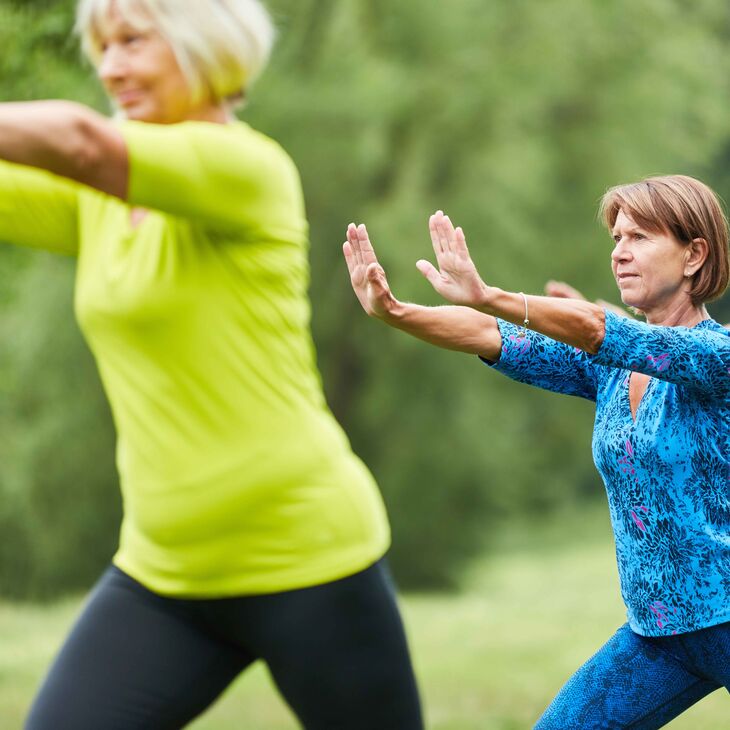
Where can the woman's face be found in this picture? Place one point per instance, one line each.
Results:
(649, 267)
(141, 75)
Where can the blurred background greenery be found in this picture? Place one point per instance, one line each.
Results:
(514, 117)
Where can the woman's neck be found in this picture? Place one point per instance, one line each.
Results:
(685, 314)
(217, 114)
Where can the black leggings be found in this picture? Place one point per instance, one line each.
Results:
(139, 661)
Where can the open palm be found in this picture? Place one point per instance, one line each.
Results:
(456, 279)
(366, 274)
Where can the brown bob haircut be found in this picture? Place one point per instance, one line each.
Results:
(685, 208)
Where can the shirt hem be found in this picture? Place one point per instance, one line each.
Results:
(240, 585)
(714, 621)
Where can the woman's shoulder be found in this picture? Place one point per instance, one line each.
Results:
(244, 147)
(713, 331)
(212, 136)
(714, 326)
(236, 133)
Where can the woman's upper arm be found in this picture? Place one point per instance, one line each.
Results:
(38, 209)
(538, 360)
(697, 357)
(222, 175)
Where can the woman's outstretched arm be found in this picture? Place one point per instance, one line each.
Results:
(577, 323)
(562, 290)
(462, 329)
(67, 139)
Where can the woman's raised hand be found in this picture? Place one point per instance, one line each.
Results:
(561, 290)
(457, 279)
(366, 274)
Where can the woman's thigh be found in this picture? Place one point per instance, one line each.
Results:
(706, 652)
(133, 661)
(337, 652)
(632, 682)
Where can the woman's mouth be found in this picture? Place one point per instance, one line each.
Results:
(127, 98)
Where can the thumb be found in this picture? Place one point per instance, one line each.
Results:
(428, 270)
(376, 278)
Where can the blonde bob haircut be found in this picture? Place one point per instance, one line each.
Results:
(221, 46)
(682, 207)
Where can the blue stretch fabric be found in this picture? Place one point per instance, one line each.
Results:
(139, 661)
(641, 682)
(667, 473)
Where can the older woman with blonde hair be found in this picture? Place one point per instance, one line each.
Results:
(662, 431)
(251, 531)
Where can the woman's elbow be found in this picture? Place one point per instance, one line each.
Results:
(97, 151)
(596, 330)
(74, 136)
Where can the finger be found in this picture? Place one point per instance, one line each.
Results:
(433, 223)
(612, 308)
(454, 237)
(430, 272)
(460, 241)
(447, 227)
(552, 288)
(354, 242)
(366, 248)
(442, 227)
(562, 290)
(349, 257)
(442, 234)
(378, 281)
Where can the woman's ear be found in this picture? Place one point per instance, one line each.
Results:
(697, 252)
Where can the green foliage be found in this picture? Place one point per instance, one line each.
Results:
(60, 503)
(513, 117)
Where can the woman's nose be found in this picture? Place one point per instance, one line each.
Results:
(112, 65)
(620, 252)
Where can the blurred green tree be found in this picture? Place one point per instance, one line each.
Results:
(514, 117)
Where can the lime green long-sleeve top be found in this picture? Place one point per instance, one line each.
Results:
(235, 476)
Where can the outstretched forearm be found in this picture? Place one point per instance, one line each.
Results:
(67, 139)
(573, 322)
(462, 329)
(577, 323)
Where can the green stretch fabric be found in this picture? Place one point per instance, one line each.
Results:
(235, 476)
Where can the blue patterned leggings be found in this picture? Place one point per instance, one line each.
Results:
(641, 682)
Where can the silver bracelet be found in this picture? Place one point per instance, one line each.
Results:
(522, 332)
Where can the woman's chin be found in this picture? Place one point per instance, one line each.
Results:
(137, 113)
(134, 115)
(632, 304)
(628, 301)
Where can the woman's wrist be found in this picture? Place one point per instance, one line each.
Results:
(396, 313)
(489, 301)
(457, 328)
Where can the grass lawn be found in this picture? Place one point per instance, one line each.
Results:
(490, 658)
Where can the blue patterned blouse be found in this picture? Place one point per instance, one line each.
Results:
(667, 473)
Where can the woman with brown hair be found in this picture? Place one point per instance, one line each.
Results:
(662, 431)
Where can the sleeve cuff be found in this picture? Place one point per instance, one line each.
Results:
(614, 337)
(514, 348)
